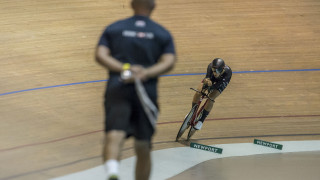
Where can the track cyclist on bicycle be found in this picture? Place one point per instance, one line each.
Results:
(217, 79)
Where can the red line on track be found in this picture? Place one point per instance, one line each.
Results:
(161, 123)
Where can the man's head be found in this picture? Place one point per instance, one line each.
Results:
(143, 7)
(218, 67)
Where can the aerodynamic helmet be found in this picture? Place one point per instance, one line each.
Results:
(218, 64)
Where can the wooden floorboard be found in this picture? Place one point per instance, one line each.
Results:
(51, 127)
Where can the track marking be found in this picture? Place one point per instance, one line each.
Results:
(170, 162)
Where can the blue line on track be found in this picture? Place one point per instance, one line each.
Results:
(189, 74)
(47, 87)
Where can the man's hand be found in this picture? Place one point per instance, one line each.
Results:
(207, 82)
(137, 71)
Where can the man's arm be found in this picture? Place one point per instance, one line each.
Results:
(209, 71)
(206, 81)
(165, 64)
(104, 58)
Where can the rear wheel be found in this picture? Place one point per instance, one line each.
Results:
(192, 129)
(186, 123)
(191, 133)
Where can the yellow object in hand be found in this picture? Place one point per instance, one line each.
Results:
(126, 66)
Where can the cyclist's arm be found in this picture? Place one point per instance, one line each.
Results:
(206, 81)
(209, 72)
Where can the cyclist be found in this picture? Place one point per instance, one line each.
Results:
(217, 79)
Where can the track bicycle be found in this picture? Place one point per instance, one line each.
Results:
(192, 117)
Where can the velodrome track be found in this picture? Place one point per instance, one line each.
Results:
(51, 91)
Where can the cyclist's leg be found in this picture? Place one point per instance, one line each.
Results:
(207, 108)
(213, 95)
(196, 96)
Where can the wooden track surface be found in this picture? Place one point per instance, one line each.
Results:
(54, 131)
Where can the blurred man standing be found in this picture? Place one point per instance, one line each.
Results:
(146, 49)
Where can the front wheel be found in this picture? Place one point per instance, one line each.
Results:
(186, 123)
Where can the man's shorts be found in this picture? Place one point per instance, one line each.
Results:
(125, 112)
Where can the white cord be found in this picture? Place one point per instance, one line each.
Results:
(148, 106)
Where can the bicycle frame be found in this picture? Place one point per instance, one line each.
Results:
(198, 111)
(194, 113)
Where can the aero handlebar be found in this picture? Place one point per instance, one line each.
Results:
(203, 94)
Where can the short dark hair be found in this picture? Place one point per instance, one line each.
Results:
(149, 4)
